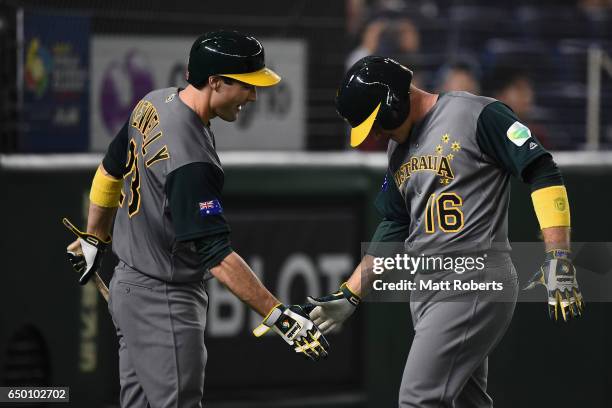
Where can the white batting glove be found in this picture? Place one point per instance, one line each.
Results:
(331, 311)
(294, 326)
(558, 276)
(88, 260)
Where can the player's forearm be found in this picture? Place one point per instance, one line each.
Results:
(551, 206)
(361, 280)
(556, 238)
(237, 276)
(550, 201)
(100, 220)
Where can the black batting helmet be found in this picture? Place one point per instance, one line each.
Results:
(230, 54)
(374, 89)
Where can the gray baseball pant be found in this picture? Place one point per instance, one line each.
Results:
(454, 334)
(160, 327)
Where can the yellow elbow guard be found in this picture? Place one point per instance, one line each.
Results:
(105, 190)
(551, 206)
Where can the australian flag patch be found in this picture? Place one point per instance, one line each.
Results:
(212, 207)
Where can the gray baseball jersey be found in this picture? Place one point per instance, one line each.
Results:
(448, 184)
(172, 183)
(172, 188)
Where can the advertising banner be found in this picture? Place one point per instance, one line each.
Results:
(124, 69)
(55, 84)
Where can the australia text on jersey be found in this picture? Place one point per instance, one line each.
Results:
(439, 163)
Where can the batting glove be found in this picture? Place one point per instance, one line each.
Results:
(328, 312)
(89, 259)
(558, 275)
(294, 326)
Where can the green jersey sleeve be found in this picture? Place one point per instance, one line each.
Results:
(390, 203)
(396, 220)
(213, 249)
(506, 140)
(116, 156)
(194, 199)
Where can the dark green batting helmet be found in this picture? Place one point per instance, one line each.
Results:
(374, 89)
(230, 54)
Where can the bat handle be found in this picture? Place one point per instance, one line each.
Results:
(102, 288)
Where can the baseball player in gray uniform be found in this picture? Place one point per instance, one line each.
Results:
(170, 233)
(446, 191)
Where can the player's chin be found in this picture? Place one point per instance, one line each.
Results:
(229, 116)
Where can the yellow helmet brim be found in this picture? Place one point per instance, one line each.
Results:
(360, 132)
(263, 77)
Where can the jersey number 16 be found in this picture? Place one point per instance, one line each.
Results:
(446, 208)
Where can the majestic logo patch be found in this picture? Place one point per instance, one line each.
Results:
(518, 133)
(532, 145)
(212, 207)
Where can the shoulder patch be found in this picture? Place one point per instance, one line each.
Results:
(518, 133)
(212, 207)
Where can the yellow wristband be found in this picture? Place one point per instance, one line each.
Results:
(551, 206)
(105, 190)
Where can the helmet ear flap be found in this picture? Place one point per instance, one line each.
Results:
(394, 111)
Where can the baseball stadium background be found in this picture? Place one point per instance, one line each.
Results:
(299, 202)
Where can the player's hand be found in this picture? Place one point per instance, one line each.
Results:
(558, 275)
(294, 326)
(328, 312)
(86, 253)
